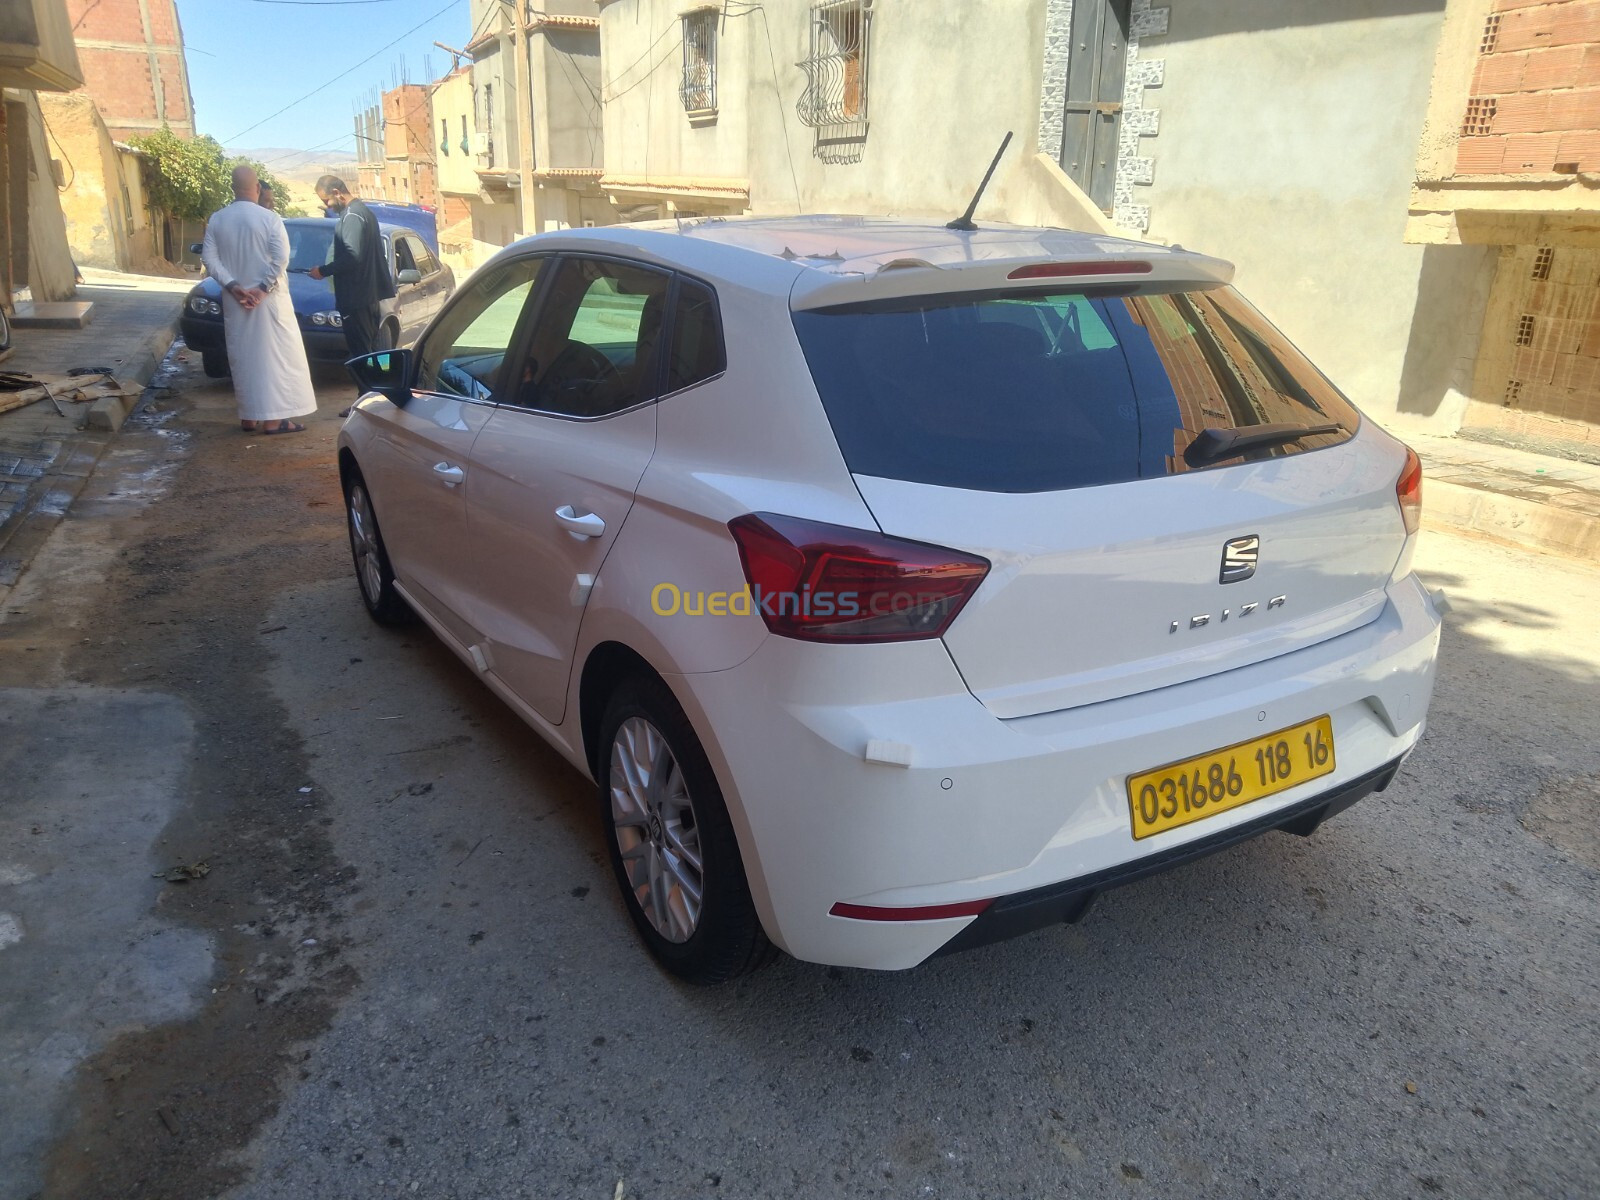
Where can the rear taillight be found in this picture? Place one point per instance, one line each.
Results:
(828, 583)
(1409, 491)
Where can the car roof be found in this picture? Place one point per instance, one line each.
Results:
(383, 226)
(826, 260)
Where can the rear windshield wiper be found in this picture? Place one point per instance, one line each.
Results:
(1214, 445)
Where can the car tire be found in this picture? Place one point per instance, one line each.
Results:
(5, 330)
(374, 576)
(662, 807)
(214, 362)
(388, 336)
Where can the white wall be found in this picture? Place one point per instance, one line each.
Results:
(945, 82)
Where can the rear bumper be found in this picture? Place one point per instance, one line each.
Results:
(1068, 902)
(1030, 814)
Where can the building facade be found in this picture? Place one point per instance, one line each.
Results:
(36, 56)
(872, 106)
(410, 175)
(537, 138)
(1509, 169)
(1282, 136)
(108, 222)
(458, 180)
(133, 64)
(370, 151)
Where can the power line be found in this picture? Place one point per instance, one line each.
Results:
(324, 86)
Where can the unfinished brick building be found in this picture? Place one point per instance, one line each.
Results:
(133, 66)
(1512, 161)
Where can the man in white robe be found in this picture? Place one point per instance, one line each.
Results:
(247, 252)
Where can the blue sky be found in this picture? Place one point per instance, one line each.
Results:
(249, 58)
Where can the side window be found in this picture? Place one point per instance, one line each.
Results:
(404, 260)
(426, 262)
(462, 355)
(697, 352)
(593, 351)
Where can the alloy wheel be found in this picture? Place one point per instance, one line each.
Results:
(364, 543)
(657, 832)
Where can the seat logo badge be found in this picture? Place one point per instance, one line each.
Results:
(1239, 556)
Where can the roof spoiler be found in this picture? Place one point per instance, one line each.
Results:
(862, 282)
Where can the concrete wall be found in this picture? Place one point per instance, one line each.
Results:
(452, 104)
(566, 74)
(1288, 140)
(944, 84)
(646, 130)
(494, 84)
(50, 275)
(92, 202)
(37, 52)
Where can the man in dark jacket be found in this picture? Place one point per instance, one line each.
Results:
(357, 266)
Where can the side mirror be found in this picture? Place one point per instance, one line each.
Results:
(387, 372)
(197, 248)
(410, 275)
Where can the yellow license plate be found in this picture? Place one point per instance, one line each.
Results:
(1208, 784)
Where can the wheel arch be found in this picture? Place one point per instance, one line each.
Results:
(608, 664)
(348, 469)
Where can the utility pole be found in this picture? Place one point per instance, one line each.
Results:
(524, 116)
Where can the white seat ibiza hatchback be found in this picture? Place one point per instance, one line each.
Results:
(900, 588)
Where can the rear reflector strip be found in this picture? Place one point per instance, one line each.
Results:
(925, 912)
(1057, 270)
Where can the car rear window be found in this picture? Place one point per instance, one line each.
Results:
(1029, 393)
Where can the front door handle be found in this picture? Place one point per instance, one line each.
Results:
(449, 475)
(586, 526)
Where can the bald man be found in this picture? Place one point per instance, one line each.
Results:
(247, 252)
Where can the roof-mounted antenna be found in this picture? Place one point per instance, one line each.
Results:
(964, 221)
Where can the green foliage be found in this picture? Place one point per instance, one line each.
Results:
(188, 178)
(185, 178)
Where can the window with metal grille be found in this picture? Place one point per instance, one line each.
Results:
(837, 68)
(1480, 116)
(1542, 262)
(1491, 34)
(1525, 330)
(698, 89)
(1513, 391)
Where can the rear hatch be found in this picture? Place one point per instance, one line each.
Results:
(1165, 487)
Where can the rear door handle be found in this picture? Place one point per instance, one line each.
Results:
(586, 526)
(449, 475)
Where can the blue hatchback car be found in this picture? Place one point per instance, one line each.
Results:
(422, 285)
